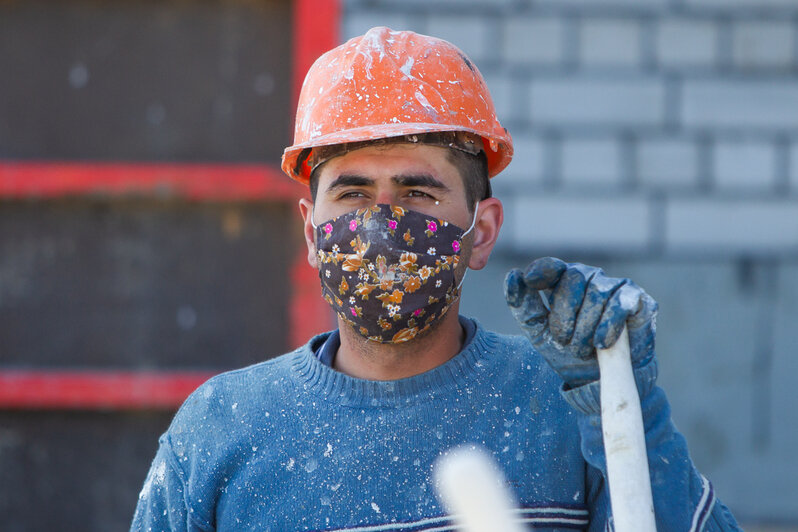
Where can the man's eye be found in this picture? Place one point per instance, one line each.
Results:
(418, 194)
(351, 194)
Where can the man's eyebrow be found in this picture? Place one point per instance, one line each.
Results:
(350, 180)
(419, 180)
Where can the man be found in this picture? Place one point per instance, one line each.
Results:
(396, 137)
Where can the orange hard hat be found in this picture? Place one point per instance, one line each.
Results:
(389, 84)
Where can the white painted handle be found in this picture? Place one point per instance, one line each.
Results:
(624, 441)
(472, 488)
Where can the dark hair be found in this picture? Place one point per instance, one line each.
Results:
(473, 171)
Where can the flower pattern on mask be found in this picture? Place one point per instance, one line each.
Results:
(384, 271)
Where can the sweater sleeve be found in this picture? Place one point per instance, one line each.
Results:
(162, 504)
(683, 499)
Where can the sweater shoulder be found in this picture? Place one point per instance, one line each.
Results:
(516, 349)
(241, 383)
(517, 364)
(239, 395)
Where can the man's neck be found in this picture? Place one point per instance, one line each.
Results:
(358, 357)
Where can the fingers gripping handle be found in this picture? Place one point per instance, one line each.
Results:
(624, 440)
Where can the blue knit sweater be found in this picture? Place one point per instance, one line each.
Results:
(291, 444)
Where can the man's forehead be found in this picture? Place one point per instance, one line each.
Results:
(463, 141)
(405, 179)
(396, 162)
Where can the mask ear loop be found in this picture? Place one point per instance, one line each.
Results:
(473, 222)
(313, 217)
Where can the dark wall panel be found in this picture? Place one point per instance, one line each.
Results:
(145, 80)
(78, 471)
(144, 284)
(134, 283)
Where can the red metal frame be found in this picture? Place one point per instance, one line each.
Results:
(190, 181)
(315, 30)
(316, 24)
(105, 390)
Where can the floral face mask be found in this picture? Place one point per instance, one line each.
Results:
(389, 272)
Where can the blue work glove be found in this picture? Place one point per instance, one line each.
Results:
(583, 310)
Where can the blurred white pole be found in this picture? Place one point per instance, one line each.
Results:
(474, 493)
(624, 441)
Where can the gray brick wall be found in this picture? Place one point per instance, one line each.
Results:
(740, 104)
(662, 134)
(668, 163)
(662, 87)
(745, 165)
(763, 44)
(533, 41)
(683, 43)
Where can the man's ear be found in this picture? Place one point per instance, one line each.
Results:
(489, 218)
(306, 210)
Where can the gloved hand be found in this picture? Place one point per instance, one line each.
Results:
(584, 310)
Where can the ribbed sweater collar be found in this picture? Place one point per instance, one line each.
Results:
(456, 373)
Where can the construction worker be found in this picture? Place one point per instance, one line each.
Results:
(396, 136)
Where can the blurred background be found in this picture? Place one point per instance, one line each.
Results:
(148, 239)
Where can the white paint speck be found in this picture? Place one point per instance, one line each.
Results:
(156, 113)
(629, 297)
(78, 76)
(407, 66)
(156, 477)
(424, 102)
(186, 317)
(375, 507)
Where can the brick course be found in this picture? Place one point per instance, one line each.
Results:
(766, 44)
(732, 226)
(667, 163)
(591, 102)
(469, 33)
(610, 42)
(581, 224)
(745, 165)
(530, 41)
(528, 167)
(591, 162)
(793, 169)
(683, 42)
(740, 104)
